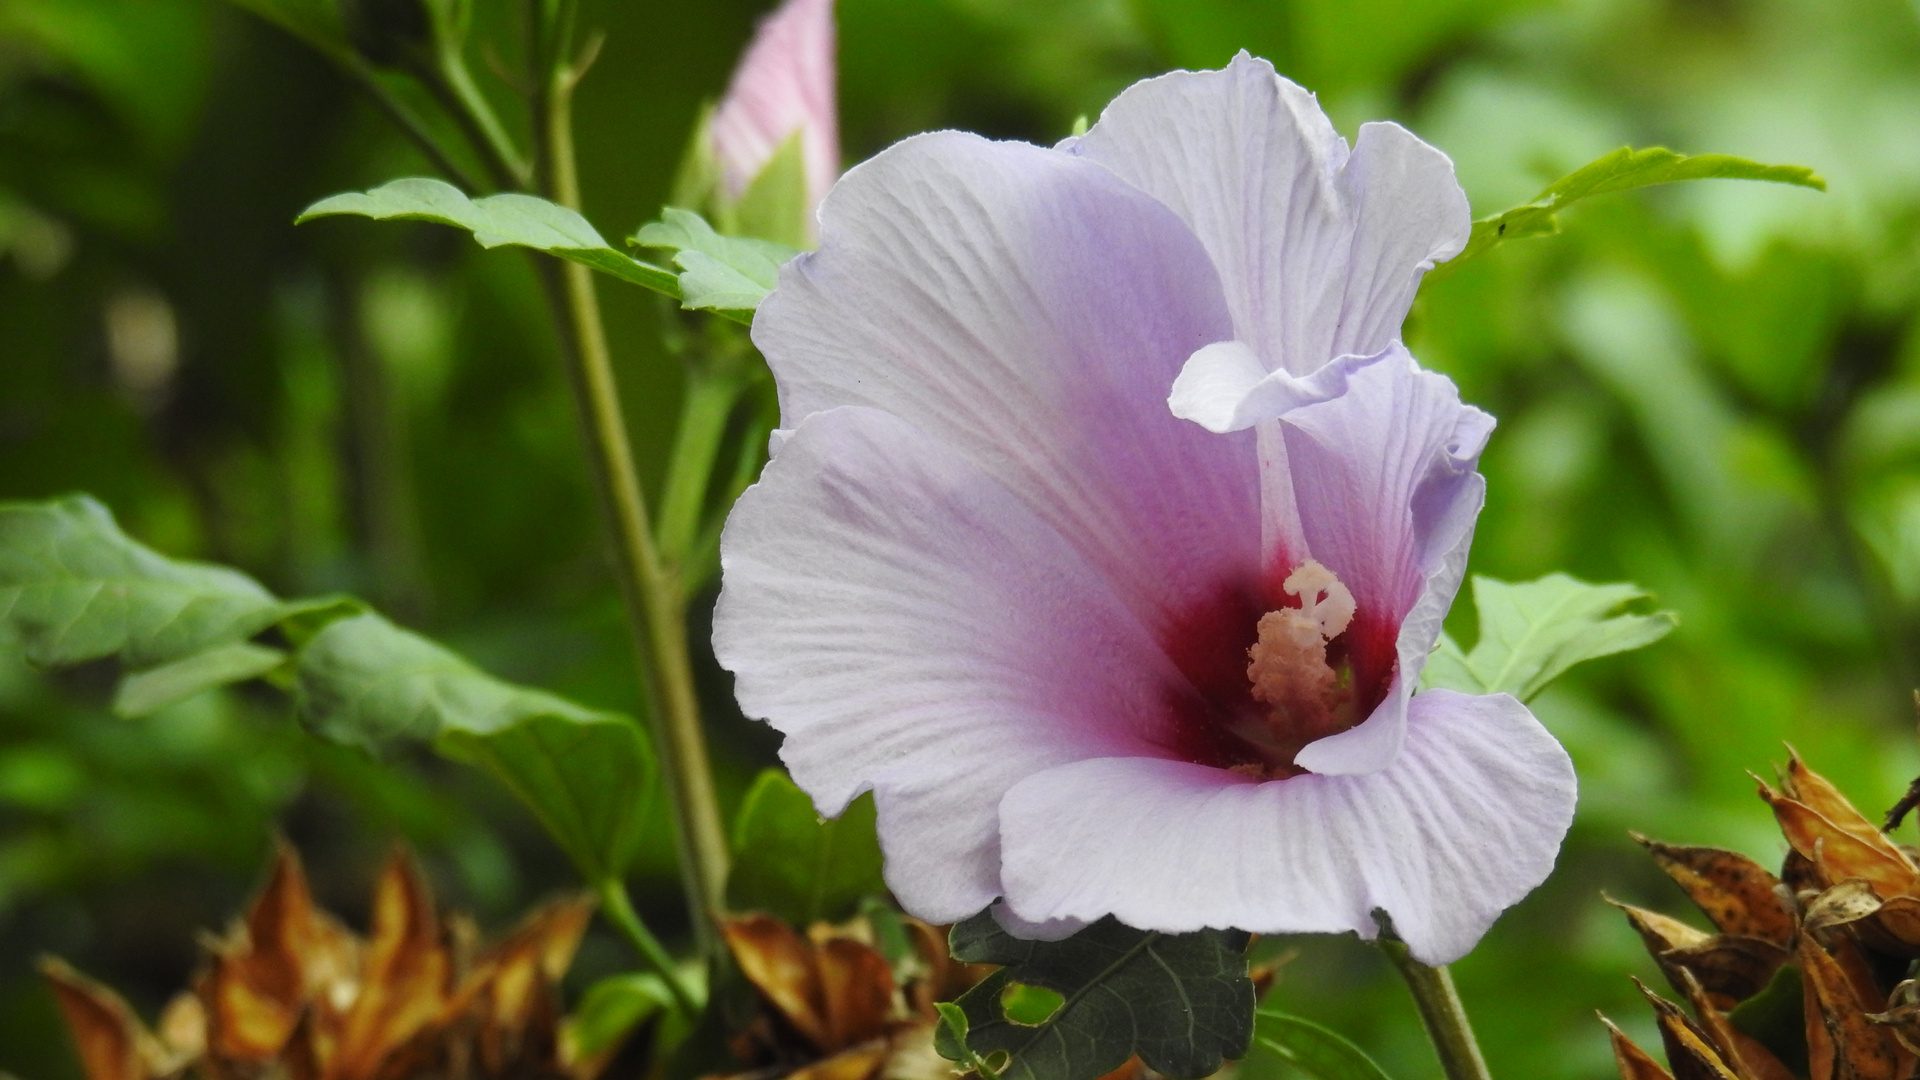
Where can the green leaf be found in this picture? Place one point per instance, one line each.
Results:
(74, 588)
(317, 22)
(611, 1009)
(494, 220)
(586, 775)
(1622, 170)
(728, 275)
(1314, 1050)
(774, 206)
(1533, 631)
(696, 181)
(149, 691)
(1182, 1002)
(790, 863)
(953, 1036)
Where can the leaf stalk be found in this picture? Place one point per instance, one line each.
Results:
(404, 118)
(710, 398)
(452, 82)
(618, 908)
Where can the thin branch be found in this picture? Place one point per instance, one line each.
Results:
(654, 599)
(409, 124)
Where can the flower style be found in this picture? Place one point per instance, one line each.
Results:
(1095, 655)
(784, 85)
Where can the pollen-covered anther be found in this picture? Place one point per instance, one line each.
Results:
(1289, 668)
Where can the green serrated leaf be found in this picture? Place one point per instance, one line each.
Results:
(74, 588)
(728, 275)
(587, 781)
(611, 1009)
(1622, 170)
(301, 619)
(1531, 632)
(1317, 1051)
(1182, 1002)
(149, 691)
(585, 774)
(494, 220)
(790, 863)
(951, 1040)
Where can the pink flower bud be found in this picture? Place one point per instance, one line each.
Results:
(784, 84)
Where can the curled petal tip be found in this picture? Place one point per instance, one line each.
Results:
(1214, 386)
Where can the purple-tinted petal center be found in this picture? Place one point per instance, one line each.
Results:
(1268, 671)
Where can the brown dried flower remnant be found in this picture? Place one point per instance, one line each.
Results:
(290, 992)
(834, 1008)
(1802, 977)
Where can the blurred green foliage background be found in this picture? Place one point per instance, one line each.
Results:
(1713, 391)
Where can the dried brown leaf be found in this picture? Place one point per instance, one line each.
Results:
(407, 978)
(1838, 854)
(913, 1056)
(1731, 968)
(1902, 1016)
(1818, 793)
(1660, 932)
(1847, 902)
(1899, 917)
(509, 998)
(1690, 1052)
(1799, 875)
(183, 1027)
(856, 989)
(780, 965)
(945, 978)
(854, 1063)
(245, 1027)
(1132, 1069)
(1738, 894)
(262, 975)
(112, 1043)
(1744, 1055)
(1634, 1063)
(1857, 1049)
(537, 954)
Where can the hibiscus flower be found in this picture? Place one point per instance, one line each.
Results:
(1099, 652)
(783, 87)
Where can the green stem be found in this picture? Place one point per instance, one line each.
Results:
(618, 908)
(1442, 1013)
(750, 451)
(709, 400)
(450, 80)
(655, 603)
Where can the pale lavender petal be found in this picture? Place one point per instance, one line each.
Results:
(1029, 310)
(914, 628)
(1051, 930)
(1224, 387)
(1467, 821)
(1373, 744)
(1320, 252)
(784, 84)
(1378, 485)
(1408, 214)
(1214, 385)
